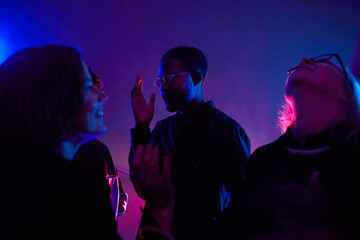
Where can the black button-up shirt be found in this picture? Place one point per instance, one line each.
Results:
(208, 152)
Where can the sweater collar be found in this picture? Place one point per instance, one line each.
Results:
(319, 142)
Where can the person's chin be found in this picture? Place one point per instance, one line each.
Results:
(101, 130)
(97, 132)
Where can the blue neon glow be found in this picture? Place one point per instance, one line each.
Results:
(4, 51)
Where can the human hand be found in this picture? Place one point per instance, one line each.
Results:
(143, 112)
(298, 204)
(154, 186)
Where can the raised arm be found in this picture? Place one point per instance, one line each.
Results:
(143, 112)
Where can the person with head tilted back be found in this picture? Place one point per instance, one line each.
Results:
(305, 184)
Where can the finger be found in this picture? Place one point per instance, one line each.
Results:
(152, 100)
(139, 82)
(152, 155)
(135, 90)
(136, 162)
(137, 79)
(154, 160)
(135, 166)
(137, 87)
(147, 154)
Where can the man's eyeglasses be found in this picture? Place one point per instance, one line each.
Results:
(166, 78)
(325, 58)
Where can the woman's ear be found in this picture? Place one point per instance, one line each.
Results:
(196, 77)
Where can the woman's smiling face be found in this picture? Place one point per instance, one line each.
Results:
(89, 121)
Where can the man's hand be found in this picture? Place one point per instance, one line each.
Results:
(154, 186)
(143, 112)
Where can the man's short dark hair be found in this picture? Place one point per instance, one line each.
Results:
(191, 58)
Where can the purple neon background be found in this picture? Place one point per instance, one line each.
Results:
(249, 45)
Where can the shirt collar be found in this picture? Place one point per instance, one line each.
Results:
(202, 109)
